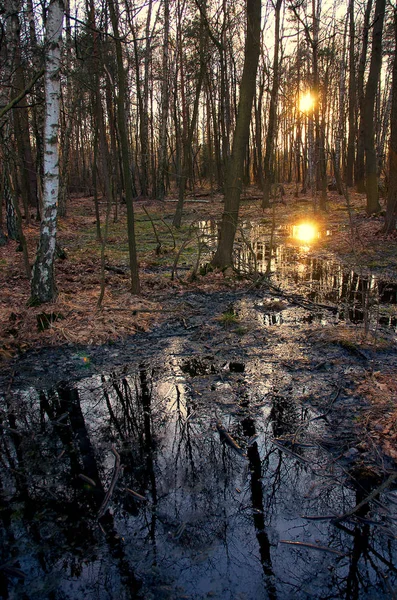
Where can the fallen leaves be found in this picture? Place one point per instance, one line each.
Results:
(380, 391)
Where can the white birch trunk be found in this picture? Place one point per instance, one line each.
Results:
(43, 287)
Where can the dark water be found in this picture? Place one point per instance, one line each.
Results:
(213, 512)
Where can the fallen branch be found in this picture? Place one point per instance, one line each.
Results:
(290, 452)
(318, 517)
(302, 302)
(227, 438)
(115, 476)
(322, 416)
(136, 495)
(117, 270)
(313, 547)
(368, 499)
(13, 571)
(135, 311)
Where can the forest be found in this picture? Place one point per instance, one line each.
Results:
(198, 299)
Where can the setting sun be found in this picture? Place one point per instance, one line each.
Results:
(306, 102)
(304, 232)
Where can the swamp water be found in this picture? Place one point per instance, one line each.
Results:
(356, 294)
(188, 477)
(212, 457)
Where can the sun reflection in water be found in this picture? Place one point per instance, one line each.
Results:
(305, 232)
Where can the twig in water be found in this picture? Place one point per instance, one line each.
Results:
(290, 452)
(227, 438)
(13, 571)
(87, 479)
(115, 476)
(136, 495)
(322, 416)
(313, 546)
(318, 517)
(368, 499)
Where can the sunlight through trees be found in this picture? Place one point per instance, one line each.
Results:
(321, 106)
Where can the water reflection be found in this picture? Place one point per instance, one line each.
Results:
(358, 294)
(188, 516)
(305, 232)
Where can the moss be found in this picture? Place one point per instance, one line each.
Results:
(229, 318)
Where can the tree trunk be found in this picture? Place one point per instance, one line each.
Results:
(390, 223)
(272, 127)
(9, 48)
(43, 285)
(191, 126)
(359, 169)
(321, 168)
(258, 154)
(143, 100)
(371, 173)
(352, 100)
(69, 109)
(223, 256)
(162, 152)
(187, 154)
(122, 122)
(11, 217)
(21, 122)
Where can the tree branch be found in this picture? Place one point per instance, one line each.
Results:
(24, 92)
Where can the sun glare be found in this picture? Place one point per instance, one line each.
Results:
(306, 102)
(304, 232)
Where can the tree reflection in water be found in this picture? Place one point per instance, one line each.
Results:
(199, 518)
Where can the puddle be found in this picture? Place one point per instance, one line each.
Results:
(209, 483)
(356, 296)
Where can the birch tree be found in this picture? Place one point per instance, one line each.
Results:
(43, 285)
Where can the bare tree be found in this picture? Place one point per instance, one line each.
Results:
(371, 171)
(162, 152)
(122, 122)
(391, 216)
(272, 126)
(359, 169)
(235, 167)
(352, 99)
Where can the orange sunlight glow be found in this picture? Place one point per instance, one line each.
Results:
(304, 232)
(306, 102)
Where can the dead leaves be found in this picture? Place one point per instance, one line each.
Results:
(380, 391)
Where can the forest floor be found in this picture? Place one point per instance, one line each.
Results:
(167, 259)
